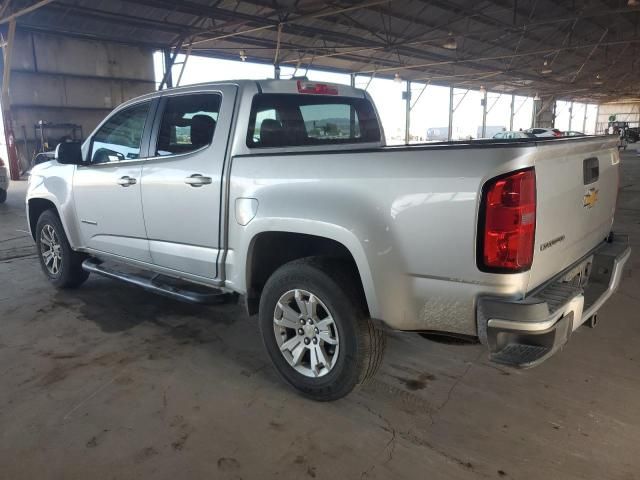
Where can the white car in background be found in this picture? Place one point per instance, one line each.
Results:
(513, 134)
(4, 181)
(545, 132)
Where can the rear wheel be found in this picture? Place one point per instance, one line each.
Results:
(61, 265)
(315, 329)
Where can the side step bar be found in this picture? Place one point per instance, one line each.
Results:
(163, 285)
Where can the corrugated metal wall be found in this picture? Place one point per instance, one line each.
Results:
(60, 79)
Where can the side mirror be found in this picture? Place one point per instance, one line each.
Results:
(69, 153)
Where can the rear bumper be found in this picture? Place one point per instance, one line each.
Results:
(523, 333)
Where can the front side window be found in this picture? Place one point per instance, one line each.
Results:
(188, 123)
(119, 138)
(286, 120)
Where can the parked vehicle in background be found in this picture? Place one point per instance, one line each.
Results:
(545, 132)
(573, 133)
(438, 134)
(283, 191)
(513, 134)
(4, 181)
(42, 157)
(633, 134)
(490, 131)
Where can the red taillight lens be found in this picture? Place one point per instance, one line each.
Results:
(508, 223)
(316, 88)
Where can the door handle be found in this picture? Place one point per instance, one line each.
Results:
(197, 180)
(126, 181)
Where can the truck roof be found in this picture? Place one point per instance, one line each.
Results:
(292, 86)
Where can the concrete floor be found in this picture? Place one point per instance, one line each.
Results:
(108, 381)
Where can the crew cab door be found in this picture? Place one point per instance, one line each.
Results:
(181, 182)
(106, 191)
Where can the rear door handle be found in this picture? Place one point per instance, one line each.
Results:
(126, 181)
(197, 180)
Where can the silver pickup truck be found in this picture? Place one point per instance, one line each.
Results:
(284, 192)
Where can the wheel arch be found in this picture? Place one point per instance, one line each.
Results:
(269, 250)
(35, 208)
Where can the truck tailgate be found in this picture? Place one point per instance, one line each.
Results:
(577, 187)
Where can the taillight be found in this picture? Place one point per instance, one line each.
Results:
(507, 223)
(316, 88)
(557, 133)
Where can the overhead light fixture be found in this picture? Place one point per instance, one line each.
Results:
(598, 80)
(633, 3)
(536, 98)
(483, 91)
(545, 68)
(451, 43)
(243, 55)
(397, 78)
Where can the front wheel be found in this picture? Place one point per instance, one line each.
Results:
(61, 265)
(315, 329)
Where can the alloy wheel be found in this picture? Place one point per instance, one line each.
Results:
(306, 333)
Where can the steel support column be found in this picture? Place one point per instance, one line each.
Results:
(484, 114)
(513, 101)
(12, 150)
(570, 114)
(407, 113)
(450, 132)
(168, 67)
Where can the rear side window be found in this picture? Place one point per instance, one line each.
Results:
(281, 120)
(188, 123)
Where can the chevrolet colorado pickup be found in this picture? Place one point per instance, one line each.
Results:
(284, 192)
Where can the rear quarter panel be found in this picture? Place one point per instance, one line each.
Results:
(407, 215)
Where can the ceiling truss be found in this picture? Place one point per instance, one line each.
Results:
(591, 47)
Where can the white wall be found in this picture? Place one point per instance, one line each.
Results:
(624, 112)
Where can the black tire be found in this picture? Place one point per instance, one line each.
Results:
(361, 342)
(70, 273)
(3, 195)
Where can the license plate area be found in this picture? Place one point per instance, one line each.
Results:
(579, 275)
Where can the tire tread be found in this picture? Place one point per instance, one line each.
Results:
(371, 339)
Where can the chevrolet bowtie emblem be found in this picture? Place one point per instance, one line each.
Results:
(590, 198)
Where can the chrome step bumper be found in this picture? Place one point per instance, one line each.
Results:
(524, 333)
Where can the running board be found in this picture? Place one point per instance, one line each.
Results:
(161, 284)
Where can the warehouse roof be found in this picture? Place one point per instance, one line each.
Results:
(575, 49)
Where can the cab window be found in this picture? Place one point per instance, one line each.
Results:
(120, 136)
(188, 123)
(289, 120)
